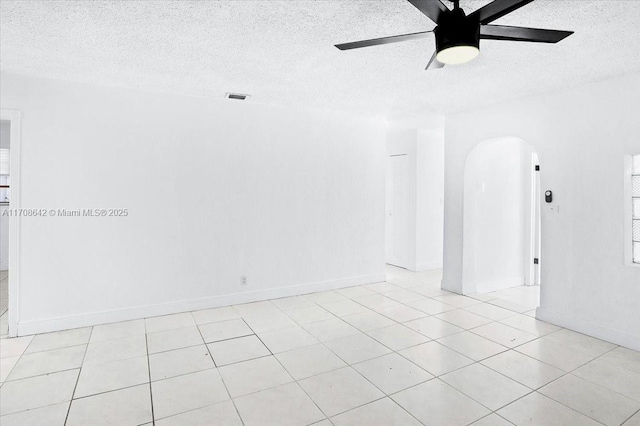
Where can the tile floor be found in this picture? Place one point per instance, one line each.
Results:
(402, 352)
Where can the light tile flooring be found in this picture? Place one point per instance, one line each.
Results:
(402, 352)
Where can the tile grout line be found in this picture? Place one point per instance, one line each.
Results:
(19, 358)
(66, 419)
(593, 383)
(218, 369)
(631, 416)
(108, 391)
(545, 396)
(287, 371)
(44, 374)
(490, 414)
(146, 343)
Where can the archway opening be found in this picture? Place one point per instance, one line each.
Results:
(501, 240)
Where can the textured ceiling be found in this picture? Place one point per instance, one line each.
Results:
(282, 53)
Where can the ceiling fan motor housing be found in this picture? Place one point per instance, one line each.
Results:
(457, 29)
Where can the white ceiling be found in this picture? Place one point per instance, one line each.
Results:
(282, 53)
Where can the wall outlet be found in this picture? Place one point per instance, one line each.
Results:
(243, 280)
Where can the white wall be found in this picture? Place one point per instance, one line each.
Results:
(422, 140)
(497, 215)
(429, 198)
(215, 189)
(581, 135)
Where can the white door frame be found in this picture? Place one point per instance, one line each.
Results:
(534, 270)
(390, 227)
(14, 222)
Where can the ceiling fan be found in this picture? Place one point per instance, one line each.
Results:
(458, 35)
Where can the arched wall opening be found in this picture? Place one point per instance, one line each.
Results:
(501, 234)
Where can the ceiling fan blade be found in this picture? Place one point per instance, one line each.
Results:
(432, 8)
(497, 9)
(383, 40)
(538, 35)
(434, 63)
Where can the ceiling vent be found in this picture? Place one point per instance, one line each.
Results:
(237, 96)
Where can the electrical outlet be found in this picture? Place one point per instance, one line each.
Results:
(243, 280)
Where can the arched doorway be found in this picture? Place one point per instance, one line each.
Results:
(501, 239)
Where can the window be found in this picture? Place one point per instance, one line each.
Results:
(635, 209)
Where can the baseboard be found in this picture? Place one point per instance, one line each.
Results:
(437, 264)
(584, 327)
(472, 288)
(496, 285)
(105, 317)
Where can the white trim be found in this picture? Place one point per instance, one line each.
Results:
(104, 317)
(434, 264)
(584, 327)
(14, 222)
(390, 230)
(495, 285)
(534, 215)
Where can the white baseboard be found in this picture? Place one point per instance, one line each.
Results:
(584, 327)
(472, 288)
(428, 265)
(495, 285)
(105, 317)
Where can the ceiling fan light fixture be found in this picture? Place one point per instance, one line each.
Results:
(457, 54)
(457, 38)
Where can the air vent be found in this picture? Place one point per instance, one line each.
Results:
(237, 96)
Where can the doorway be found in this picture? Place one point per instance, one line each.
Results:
(5, 197)
(9, 223)
(397, 222)
(501, 240)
